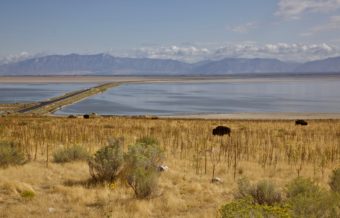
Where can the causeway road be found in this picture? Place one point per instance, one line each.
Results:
(53, 104)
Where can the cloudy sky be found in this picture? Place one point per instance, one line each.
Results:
(188, 30)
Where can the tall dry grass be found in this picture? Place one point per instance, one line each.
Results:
(266, 143)
(277, 150)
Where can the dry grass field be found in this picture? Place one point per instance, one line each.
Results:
(258, 149)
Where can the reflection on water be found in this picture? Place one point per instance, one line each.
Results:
(310, 95)
(12, 93)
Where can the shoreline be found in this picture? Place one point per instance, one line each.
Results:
(156, 79)
(259, 116)
(226, 116)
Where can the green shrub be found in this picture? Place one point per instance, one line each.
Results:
(149, 148)
(318, 205)
(141, 172)
(107, 162)
(143, 181)
(308, 200)
(334, 182)
(10, 155)
(302, 186)
(243, 188)
(264, 192)
(245, 208)
(75, 153)
(304, 199)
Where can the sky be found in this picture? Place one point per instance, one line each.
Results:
(187, 30)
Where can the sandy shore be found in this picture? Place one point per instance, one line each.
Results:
(154, 79)
(260, 116)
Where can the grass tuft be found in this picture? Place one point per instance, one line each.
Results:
(75, 153)
(10, 155)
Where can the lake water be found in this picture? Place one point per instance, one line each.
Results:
(309, 95)
(12, 93)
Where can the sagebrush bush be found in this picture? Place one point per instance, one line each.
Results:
(107, 163)
(304, 199)
(334, 182)
(245, 208)
(301, 186)
(10, 155)
(309, 200)
(140, 171)
(243, 188)
(264, 192)
(74, 153)
(317, 205)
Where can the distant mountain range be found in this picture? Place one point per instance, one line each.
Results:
(104, 64)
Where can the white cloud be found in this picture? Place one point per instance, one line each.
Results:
(292, 9)
(12, 58)
(210, 51)
(185, 53)
(15, 57)
(243, 28)
(282, 51)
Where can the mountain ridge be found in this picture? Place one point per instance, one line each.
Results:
(105, 64)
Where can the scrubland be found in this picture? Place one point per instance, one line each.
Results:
(275, 150)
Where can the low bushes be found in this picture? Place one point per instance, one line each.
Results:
(263, 193)
(10, 155)
(303, 199)
(246, 208)
(334, 182)
(107, 162)
(75, 153)
(142, 161)
(302, 186)
(137, 167)
(309, 200)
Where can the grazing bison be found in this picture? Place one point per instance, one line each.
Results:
(301, 122)
(221, 130)
(86, 116)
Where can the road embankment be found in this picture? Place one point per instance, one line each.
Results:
(54, 104)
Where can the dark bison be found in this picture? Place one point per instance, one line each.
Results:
(221, 130)
(86, 116)
(301, 122)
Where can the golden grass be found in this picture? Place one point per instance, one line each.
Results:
(13, 107)
(275, 150)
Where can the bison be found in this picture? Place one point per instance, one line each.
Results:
(301, 122)
(221, 130)
(86, 116)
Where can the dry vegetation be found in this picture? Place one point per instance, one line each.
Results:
(274, 150)
(14, 107)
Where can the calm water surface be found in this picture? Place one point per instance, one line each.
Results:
(12, 93)
(309, 95)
